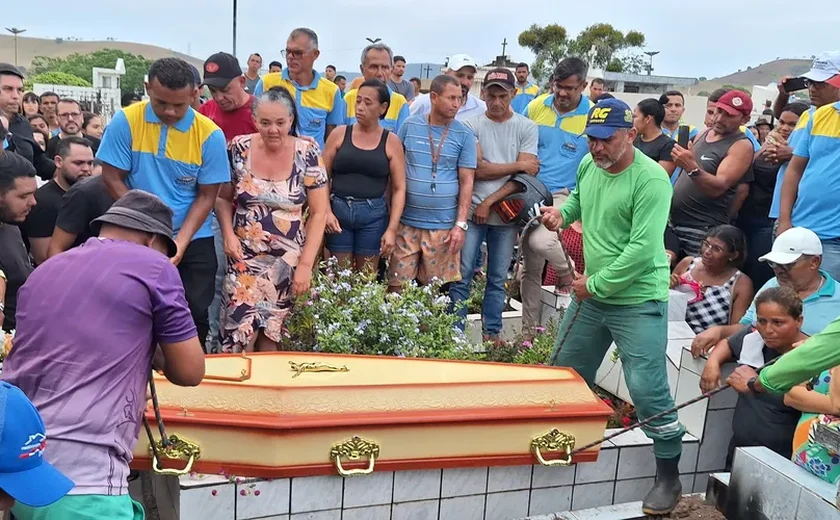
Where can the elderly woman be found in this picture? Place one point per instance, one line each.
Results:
(795, 259)
(270, 253)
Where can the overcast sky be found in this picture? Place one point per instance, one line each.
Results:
(697, 38)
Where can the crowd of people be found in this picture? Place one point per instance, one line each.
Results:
(188, 226)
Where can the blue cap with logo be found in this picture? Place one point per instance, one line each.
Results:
(608, 116)
(24, 474)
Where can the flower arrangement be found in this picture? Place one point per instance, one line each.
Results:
(350, 313)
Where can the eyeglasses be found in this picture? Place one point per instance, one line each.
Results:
(67, 115)
(292, 53)
(784, 267)
(708, 245)
(816, 84)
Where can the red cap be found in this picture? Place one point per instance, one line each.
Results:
(735, 103)
(834, 81)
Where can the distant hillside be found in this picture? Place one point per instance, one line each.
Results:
(763, 75)
(28, 48)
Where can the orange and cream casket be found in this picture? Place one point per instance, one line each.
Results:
(286, 414)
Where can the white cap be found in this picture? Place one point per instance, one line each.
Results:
(459, 61)
(792, 244)
(825, 66)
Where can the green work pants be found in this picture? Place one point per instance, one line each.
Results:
(640, 333)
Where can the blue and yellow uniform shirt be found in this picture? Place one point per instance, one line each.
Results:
(523, 96)
(751, 137)
(394, 117)
(819, 190)
(318, 104)
(793, 139)
(168, 161)
(562, 143)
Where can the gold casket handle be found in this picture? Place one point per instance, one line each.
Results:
(354, 449)
(176, 448)
(554, 440)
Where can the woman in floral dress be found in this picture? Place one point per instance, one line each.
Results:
(270, 252)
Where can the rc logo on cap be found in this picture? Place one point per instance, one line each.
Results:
(34, 446)
(600, 115)
(211, 67)
(628, 116)
(737, 101)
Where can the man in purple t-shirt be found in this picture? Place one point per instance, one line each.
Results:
(88, 322)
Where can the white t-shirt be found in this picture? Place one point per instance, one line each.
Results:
(422, 105)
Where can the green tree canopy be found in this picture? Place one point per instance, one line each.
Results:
(57, 78)
(602, 44)
(81, 65)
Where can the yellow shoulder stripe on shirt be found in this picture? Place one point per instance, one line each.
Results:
(394, 107)
(185, 147)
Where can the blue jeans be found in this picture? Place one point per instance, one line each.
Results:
(216, 307)
(500, 243)
(831, 257)
(759, 233)
(363, 222)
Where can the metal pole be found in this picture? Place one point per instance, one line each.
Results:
(234, 26)
(15, 31)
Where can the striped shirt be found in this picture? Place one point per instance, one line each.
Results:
(819, 189)
(427, 208)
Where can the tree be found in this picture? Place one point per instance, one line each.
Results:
(602, 45)
(703, 93)
(607, 42)
(81, 65)
(56, 78)
(702, 78)
(550, 44)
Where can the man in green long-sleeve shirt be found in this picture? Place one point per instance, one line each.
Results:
(623, 199)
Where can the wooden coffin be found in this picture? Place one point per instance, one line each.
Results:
(297, 414)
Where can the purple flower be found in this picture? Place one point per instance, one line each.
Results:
(527, 344)
(540, 329)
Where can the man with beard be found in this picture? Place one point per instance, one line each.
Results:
(714, 167)
(525, 90)
(73, 162)
(463, 68)
(396, 81)
(623, 200)
(17, 198)
(70, 118)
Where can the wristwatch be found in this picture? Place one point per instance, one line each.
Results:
(751, 385)
(694, 172)
(463, 225)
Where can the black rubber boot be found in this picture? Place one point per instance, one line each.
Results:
(666, 491)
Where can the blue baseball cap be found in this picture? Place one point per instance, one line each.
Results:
(607, 116)
(24, 474)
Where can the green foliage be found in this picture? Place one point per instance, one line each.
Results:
(735, 87)
(551, 43)
(702, 78)
(81, 65)
(704, 93)
(56, 78)
(350, 313)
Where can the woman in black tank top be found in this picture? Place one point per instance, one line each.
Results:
(362, 160)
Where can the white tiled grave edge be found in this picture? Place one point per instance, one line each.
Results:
(622, 470)
(625, 467)
(511, 324)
